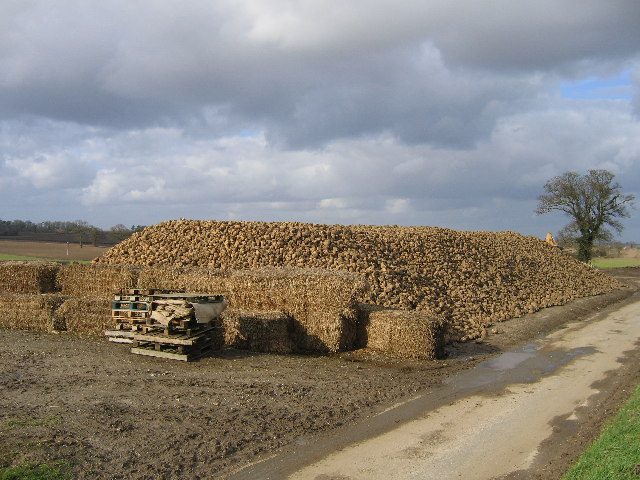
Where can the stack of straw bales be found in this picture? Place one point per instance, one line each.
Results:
(86, 315)
(82, 306)
(96, 280)
(30, 312)
(404, 333)
(321, 303)
(28, 277)
(91, 288)
(258, 331)
(471, 278)
(27, 301)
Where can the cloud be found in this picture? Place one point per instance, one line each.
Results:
(636, 90)
(304, 73)
(381, 174)
(545, 35)
(47, 171)
(444, 112)
(397, 205)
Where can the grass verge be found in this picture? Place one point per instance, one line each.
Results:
(615, 455)
(615, 262)
(57, 471)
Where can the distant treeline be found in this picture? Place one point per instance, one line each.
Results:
(77, 231)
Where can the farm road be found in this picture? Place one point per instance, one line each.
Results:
(488, 422)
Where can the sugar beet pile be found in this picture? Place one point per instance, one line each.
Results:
(471, 278)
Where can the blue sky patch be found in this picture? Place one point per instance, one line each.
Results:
(593, 88)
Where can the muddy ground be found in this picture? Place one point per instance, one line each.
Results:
(110, 414)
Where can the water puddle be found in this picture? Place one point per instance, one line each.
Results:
(525, 365)
(510, 360)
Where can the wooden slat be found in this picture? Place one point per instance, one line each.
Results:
(119, 333)
(120, 340)
(166, 340)
(172, 339)
(161, 354)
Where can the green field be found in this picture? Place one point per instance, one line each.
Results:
(57, 471)
(5, 256)
(27, 258)
(602, 262)
(616, 454)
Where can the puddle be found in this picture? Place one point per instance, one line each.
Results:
(510, 360)
(528, 364)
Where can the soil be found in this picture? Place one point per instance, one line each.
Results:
(50, 250)
(110, 414)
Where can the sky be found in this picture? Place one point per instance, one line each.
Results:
(436, 112)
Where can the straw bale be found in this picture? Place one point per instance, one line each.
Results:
(28, 277)
(86, 315)
(217, 338)
(321, 303)
(30, 311)
(258, 331)
(405, 334)
(187, 279)
(96, 280)
(471, 278)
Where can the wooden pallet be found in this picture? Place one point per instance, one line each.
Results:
(147, 291)
(128, 325)
(131, 298)
(128, 315)
(134, 305)
(173, 352)
(174, 346)
(119, 336)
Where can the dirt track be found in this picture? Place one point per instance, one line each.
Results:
(114, 415)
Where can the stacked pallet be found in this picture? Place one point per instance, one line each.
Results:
(130, 309)
(167, 324)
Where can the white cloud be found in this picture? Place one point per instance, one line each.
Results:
(46, 170)
(332, 203)
(397, 205)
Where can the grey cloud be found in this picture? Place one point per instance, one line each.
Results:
(540, 35)
(305, 74)
(636, 90)
(408, 93)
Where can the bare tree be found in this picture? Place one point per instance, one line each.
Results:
(593, 201)
(81, 227)
(120, 232)
(95, 233)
